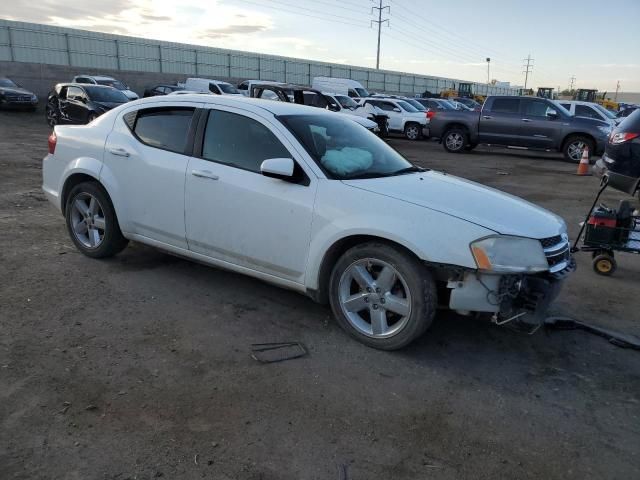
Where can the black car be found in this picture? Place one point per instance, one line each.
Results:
(80, 104)
(13, 95)
(622, 155)
(626, 112)
(161, 90)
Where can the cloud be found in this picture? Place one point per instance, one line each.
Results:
(231, 30)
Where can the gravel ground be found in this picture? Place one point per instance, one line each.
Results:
(139, 366)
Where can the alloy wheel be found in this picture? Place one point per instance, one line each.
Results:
(375, 298)
(454, 141)
(412, 132)
(575, 150)
(87, 220)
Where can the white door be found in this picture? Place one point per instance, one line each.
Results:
(235, 214)
(395, 118)
(147, 158)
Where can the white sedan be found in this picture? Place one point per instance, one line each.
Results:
(308, 200)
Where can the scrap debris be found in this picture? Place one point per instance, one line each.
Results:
(616, 338)
(277, 352)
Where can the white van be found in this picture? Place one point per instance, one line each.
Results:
(208, 85)
(344, 86)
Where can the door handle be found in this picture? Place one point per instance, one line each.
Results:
(526, 119)
(120, 152)
(487, 117)
(204, 174)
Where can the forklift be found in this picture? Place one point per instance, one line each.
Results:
(465, 90)
(585, 95)
(546, 92)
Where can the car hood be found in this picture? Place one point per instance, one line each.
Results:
(21, 91)
(467, 200)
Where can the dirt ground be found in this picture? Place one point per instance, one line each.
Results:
(139, 367)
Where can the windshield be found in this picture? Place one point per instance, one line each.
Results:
(345, 150)
(407, 107)
(415, 104)
(604, 111)
(228, 88)
(113, 83)
(5, 82)
(108, 95)
(362, 92)
(346, 102)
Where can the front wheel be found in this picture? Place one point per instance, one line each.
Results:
(604, 264)
(455, 140)
(92, 222)
(382, 296)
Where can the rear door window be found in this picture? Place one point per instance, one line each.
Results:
(506, 105)
(239, 141)
(165, 128)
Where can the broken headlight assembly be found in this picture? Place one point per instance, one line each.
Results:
(508, 254)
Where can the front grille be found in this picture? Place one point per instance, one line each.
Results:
(551, 241)
(557, 251)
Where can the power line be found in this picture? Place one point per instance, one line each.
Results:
(380, 21)
(528, 69)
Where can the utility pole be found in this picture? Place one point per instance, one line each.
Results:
(528, 68)
(488, 74)
(380, 8)
(572, 80)
(615, 99)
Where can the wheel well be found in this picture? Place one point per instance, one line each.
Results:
(71, 182)
(336, 251)
(573, 135)
(455, 125)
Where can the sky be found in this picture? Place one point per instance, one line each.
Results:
(594, 41)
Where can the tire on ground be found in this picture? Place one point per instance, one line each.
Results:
(573, 139)
(417, 278)
(455, 140)
(113, 241)
(412, 131)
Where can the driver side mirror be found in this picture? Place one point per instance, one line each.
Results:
(280, 168)
(552, 114)
(397, 110)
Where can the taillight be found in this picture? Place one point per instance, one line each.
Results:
(52, 143)
(431, 114)
(617, 138)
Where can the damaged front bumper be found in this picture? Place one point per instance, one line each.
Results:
(508, 297)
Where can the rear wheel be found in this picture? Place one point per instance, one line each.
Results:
(455, 140)
(92, 222)
(412, 131)
(574, 146)
(382, 296)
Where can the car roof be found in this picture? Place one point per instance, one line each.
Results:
(83, 85)
(246, 103)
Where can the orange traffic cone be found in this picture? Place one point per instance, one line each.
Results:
(583, 167)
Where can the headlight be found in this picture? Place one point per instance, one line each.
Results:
(605, 130)
(504, 254)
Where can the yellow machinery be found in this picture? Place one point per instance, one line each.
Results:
(546, 92)
(590, 95)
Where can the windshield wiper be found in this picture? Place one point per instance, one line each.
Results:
(402, 171)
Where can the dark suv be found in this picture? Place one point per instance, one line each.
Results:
(77, 104)
(622, 155)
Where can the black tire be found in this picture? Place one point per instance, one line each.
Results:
(416, 277)
(112, 241)
(605, 265)
(413, 131)
(455, 140)
(572, 144)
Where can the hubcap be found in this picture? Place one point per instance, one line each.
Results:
(575, 150)
(374, 298)
(87, 220)
(454, 141)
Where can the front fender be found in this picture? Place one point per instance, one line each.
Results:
(343, 212)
